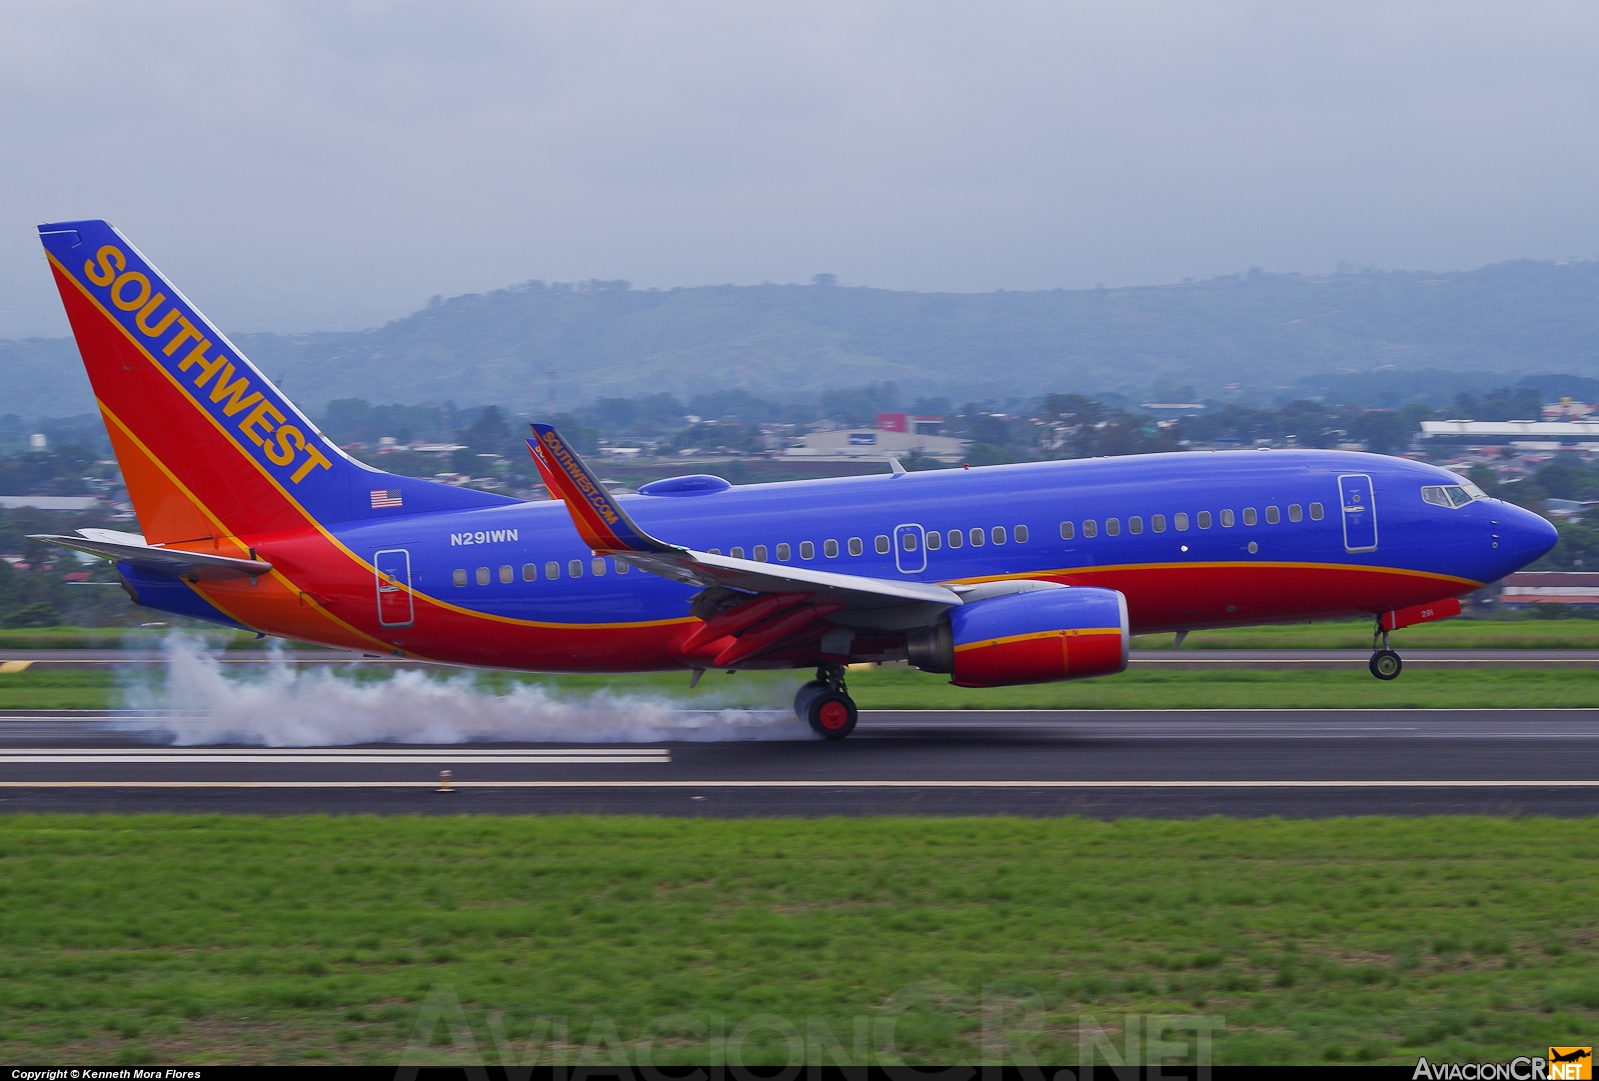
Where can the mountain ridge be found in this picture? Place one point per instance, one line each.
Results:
(1266, 332)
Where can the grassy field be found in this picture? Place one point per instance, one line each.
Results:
(306, 939)
(899, 687)
(1447, 634)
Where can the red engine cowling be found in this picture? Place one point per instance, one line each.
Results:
(1039, 637)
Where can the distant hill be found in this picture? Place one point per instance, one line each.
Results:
(1269, 333)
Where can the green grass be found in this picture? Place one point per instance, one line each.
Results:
(240, 939)
(1445, 634)
(899, 687)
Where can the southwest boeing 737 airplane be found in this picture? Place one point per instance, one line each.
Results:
(1003, 575)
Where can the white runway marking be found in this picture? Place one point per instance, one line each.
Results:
(806, 784)
(319, 755)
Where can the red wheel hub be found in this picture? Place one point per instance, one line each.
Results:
(833, 716)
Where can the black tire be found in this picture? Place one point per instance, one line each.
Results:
(1385, 664)
(831, 714)
(803, 696)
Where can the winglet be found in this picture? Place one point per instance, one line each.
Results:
(600, 520)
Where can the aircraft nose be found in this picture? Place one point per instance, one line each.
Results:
(1524, 535)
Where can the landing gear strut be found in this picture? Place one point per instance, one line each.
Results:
(825, 704)
(1385, 663)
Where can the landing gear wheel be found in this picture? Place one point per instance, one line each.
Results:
(831, 714)
(803, 696)
(1385, 664)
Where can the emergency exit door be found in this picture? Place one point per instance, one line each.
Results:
(1360, 512)
(394, 587)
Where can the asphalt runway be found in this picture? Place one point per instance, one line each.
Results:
(1103, 764)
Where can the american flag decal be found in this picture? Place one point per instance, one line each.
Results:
(387, 497)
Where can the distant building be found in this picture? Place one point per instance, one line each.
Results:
(873, 443)
(1566, 509)
(50, 502)
(1566, 409)
(1543, 434)
(913, 425)
(1526, 588)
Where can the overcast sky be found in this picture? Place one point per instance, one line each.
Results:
(303, 166)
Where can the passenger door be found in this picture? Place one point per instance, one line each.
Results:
(1360, 512)
(910, 549)
(394, 587)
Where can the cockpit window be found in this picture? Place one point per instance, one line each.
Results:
(1451, 495)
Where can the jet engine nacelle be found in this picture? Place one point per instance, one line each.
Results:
(1072, 632)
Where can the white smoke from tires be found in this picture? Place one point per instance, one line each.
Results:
(197, 700)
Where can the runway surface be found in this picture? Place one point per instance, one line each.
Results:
(1098, 763)
(16, 660)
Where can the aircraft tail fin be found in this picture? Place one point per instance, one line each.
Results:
(600, 519)
(209, 448)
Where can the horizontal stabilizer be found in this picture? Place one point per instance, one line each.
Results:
(171, 561)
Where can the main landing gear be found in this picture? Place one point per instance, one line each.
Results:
(824, 703)
(1385, 663)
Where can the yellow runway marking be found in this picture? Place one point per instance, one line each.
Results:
(8, 667)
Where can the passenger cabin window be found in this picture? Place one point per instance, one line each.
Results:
(1273, 515)
(1204, 519)
(1067, 531)
(1157, 522)
(855, 546)
(807, 550)
(1250, 518)
(597, 565)
(621, 568)
(714, 551)
(997, 534)
(1227, 519)
(1021, 534)
(1181, 520)
(737, 553)
(1113, 527)
(574, 568)
(956, 538)
(882, 545)
(1295, 512)
(459, 577)
(507, 575)
(482, 576)
(907, 541)
(1135, 524)
(783, 551)
(530, 572)
(935, 540)
(830, 549)
(552, 569)
(760, 553)
(1090, 528)
(1315, 512)
(976, 536)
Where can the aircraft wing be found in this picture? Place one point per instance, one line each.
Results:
(606, 528)
(171, 561)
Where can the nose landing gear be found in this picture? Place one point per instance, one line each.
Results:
(1385, 663)
(825, 704)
